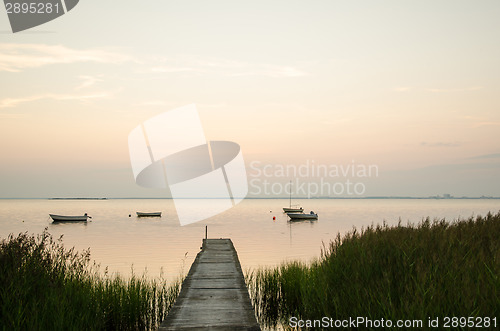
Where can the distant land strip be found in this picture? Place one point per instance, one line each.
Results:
(78, 198)
(269, 198)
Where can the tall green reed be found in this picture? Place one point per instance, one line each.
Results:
(434, 269)
(48, 287)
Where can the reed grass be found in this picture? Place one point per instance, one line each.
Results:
(47, 287)
(434, 269)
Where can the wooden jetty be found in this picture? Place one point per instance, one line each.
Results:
(214, 295)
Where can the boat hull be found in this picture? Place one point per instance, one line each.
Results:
(293, 210)
(153, 214)
(300, 216)
(62, 218)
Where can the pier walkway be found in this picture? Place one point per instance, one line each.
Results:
(214, 295)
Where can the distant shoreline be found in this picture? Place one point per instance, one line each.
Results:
(277, 198)
(78, 199)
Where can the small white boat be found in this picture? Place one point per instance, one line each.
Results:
(294, 208)
(302, 216)
(150, 214)
(62, 218)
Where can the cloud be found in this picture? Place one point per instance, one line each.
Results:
(441, 144)
(11, 116)
(155, 103)
(88, 81)
(224, 67)
(270, 71)
(170, 69)
(162, 103)
(479, 121)
(486, 123)
(338, 121)
(18, 57)
(486, 156)
(473, 118)
(14, 102)
(437, 90)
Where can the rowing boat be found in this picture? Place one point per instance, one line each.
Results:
(302, 216)
(63, 218)
(149, 214)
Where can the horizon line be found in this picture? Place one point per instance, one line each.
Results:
(257, 198)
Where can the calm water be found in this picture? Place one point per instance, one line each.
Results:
(120, 242)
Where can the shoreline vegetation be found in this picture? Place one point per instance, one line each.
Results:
(48, 287)
(435, 269)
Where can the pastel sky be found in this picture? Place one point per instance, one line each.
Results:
(410, 86)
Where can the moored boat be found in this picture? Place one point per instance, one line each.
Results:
(63, 218)
(149, 214)
(294, 208)
(302, 216)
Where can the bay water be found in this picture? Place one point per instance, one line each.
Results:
(127, 244)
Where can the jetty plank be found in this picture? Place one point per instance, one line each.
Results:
(214, 295)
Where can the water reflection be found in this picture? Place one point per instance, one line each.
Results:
(298, 225)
